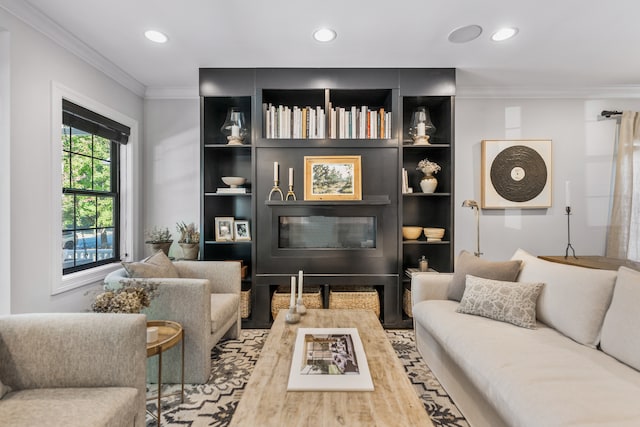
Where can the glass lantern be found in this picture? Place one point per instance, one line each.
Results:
(235, 126)
(421, 127)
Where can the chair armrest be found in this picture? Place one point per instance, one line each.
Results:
(73, 350)
(429, 286)
(225, 276)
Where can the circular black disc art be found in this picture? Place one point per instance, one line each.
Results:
(518, 173)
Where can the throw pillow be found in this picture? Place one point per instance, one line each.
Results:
(467, 263)
(157, 265)
(620, 337)
(574, 299)
(511, 302)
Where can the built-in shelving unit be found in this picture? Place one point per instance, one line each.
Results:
(381, 261)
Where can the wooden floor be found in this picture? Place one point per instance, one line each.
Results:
(266, 401)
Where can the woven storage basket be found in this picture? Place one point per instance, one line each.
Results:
(245, 304)
(311, 298)
(406, 302)
(355, 298)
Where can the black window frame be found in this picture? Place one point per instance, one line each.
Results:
(77, 117)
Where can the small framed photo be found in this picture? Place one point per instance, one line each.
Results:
(242, 230)
(224, 228)
(332, 178)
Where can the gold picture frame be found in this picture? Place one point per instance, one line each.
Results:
(332, 178)
(516, 174)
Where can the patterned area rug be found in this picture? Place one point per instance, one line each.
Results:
(232, 362)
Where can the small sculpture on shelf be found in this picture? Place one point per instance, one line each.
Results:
(428, 183)
(276, 182)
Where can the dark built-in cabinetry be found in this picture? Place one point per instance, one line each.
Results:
(272, 255)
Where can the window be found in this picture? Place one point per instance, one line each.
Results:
(90, 146)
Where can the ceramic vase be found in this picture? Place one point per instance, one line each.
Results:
(428, 183)
(190, 250)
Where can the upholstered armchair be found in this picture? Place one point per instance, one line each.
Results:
(204, 297)
(73, 369)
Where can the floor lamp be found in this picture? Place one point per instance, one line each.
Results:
(474, 205)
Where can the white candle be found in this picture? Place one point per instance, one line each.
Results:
(422, 130)
(235, 130)
(291, 177)
(275, 171)
(293, 292)
(567, 193)
(300, 284)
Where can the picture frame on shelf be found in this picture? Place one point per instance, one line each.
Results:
(332, 178)
(242, 231)
(516, 174)
(224, 226)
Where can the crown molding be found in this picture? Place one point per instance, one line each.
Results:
(40, 22)
(549, 92)
(172, 92)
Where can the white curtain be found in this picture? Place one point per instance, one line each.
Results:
(623, 236)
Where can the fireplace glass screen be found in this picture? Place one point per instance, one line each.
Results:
(327, 232)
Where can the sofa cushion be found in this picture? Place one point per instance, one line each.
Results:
(223, 308)
(512, 302)
(157, 265)
(574, 299)
(534, 377)
(68, 407)
(467, 263)
(620, 336)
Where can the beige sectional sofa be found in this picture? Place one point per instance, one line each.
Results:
(578, 366)
(68, 370)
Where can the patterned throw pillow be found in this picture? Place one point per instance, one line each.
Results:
(157, 265)
(512, 302)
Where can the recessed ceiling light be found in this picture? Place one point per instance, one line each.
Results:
(324, 34)
(156, 36)
(504, 34)
(465, 34)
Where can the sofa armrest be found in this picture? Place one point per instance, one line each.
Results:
(428, 286)
(225, 276)
(73, 350)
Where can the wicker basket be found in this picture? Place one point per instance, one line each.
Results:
(245, 304)
(355, 298)
(406, 302)
(311, 298)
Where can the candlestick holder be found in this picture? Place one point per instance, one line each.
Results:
(291, 194)
(301, 309)
(573, 251)
(292, 315)
(276, 189)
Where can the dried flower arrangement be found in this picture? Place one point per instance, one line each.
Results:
(158, 235)
(427, 167)
(127, 299)
(188, 233)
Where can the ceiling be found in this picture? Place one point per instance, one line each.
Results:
(564, 46)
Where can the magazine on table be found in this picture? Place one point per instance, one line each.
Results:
(329, 359)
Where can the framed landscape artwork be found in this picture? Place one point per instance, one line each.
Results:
(516, 174)
(332, 178)
(329, 359)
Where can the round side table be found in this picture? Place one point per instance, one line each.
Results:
(169, 334)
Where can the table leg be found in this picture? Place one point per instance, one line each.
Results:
(182, 379)
(159, 384)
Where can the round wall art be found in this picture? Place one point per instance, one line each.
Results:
(516, 174)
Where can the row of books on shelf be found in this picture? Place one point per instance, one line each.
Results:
(314, 123)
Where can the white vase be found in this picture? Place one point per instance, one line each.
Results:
(428, 184)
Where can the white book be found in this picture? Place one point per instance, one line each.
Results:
(229, 190)
(363, 122)
(354, 130)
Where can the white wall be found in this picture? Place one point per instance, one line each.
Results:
(35, 61)
(5, 177)
(171, 165)
(582, 149)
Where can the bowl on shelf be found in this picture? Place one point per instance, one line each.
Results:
(433, 234)
(233, 181)
(410, 232)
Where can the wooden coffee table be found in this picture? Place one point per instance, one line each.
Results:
(266, 401)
